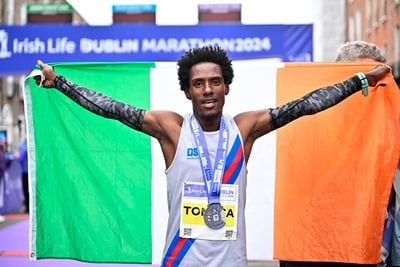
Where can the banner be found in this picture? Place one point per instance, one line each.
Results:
(22, 46)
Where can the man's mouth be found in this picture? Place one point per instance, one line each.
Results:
(208, 103)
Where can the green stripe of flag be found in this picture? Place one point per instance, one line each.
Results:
(92, 176)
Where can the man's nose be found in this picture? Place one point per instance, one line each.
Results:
(207, 87)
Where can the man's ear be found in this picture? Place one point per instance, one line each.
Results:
(226, 89)
(188, 96)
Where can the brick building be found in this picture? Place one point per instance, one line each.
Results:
(19, 12)
(376, 21)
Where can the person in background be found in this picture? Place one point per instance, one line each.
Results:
(360, 51)
(205, 75)
(23, 160)
(3, 164)
(395, 248)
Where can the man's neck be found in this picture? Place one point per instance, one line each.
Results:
(210, 124)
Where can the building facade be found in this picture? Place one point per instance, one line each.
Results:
(20, 12)
(376, 21)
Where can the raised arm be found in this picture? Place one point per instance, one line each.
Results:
(254, 124)
(325, 97)
(93, 101)
(101, 104)
(163, 125)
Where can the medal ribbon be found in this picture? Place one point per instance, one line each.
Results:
(212, 176)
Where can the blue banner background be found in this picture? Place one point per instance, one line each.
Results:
(22, 46)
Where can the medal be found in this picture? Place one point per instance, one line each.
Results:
(214, 216)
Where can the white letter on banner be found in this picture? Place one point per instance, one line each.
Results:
(248, 44)
(161, 45)
(183, 45)
(228, 44)
(148, 45)
(129, 46)
(195, 42)
(29, 47)
(266, 43)
(172, 45)
(109, 46)
(60, 46)
(85, 46)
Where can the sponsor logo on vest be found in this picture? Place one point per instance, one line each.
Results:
(192, 153)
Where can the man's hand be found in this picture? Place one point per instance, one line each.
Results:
(49, 75)
(376, 74)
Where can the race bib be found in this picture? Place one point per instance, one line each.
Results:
(194, 205)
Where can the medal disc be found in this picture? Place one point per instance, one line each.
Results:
(214, 216)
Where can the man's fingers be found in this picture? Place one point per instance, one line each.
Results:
(41, 64)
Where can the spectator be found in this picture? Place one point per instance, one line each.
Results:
(23, 160)
(3, 163)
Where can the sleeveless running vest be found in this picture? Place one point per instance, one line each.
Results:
(186, 167)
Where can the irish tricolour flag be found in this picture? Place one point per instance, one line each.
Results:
(317, 188)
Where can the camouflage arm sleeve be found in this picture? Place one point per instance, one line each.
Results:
(101, 104)
(313, 102)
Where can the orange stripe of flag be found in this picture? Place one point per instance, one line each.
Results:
(334, 169)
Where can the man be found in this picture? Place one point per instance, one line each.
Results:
(23, 160)
(360, 51)
(223, 143)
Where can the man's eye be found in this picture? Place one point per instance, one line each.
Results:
(197, 84)
(217, 82)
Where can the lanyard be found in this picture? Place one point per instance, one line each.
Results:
(212, 176)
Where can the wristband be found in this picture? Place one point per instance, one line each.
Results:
(364, 83)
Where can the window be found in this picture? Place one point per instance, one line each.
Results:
(396, 58)
(134, 13)
(358, 26)
(368, 15)
(210, 13)
(384, 10)
(375, 8)
(351, 29)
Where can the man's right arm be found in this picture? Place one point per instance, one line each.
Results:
(93, 101)
(101, 104)
(163, 125)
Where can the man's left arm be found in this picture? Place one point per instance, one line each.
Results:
(325, 97)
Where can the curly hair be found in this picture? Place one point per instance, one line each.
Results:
(212, 54)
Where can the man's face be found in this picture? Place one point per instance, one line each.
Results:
(207, 90)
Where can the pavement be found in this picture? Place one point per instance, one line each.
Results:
(14, 248)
